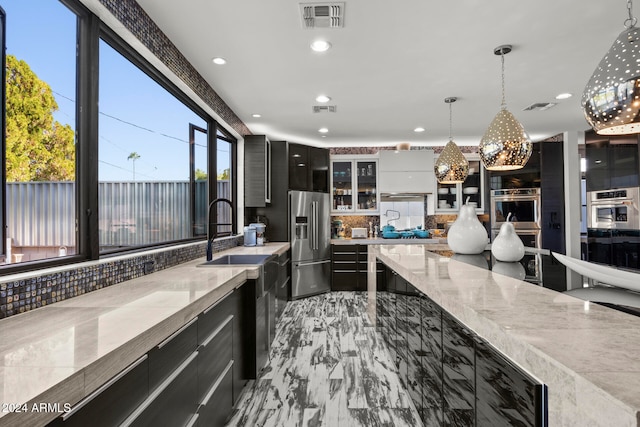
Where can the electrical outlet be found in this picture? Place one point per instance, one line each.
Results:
(148, 267)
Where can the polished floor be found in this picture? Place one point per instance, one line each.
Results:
(327, 367)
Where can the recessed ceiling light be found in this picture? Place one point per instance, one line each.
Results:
(323, 98)
(320, 45)
(257, 116)
(219, 60)
(418, 129)
(564, 95)
(323, 130)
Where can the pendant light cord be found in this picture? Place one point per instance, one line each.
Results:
(504, 102)
(631, 21)
(450, 122)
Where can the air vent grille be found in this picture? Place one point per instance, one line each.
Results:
(322, 15)
(324, 108)
(540, 106)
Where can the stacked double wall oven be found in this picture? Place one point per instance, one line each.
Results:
(524, 206)
(613, 227)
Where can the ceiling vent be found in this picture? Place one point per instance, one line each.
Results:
(540, 106)
(324, 108)
(322, 15)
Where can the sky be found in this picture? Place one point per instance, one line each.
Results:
(136, 115)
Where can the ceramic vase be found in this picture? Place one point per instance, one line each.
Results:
(467, 235)
(507, 246)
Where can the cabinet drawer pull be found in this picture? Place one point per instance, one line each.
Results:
(103, 387)
(217, 330)
(208, 309)
(344, 253)
(158, 391)
(214, 387)
(345, 271)
(176, 333)
(193, 420)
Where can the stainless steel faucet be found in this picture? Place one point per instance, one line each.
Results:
(213, 234)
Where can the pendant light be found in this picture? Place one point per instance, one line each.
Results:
(505, 145)
(451, 167)
(611, 99)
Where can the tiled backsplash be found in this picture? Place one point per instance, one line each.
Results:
(45, 287)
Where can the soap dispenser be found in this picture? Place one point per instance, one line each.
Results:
(507, 246)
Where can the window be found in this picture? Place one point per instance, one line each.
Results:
(39, 146)
(90, 126)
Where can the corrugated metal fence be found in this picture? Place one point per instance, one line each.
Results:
(42, 214)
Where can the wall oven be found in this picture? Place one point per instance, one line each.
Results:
(614, 209)
(524, 206)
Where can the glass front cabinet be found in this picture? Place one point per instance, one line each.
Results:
(451, 196)
(354, 184)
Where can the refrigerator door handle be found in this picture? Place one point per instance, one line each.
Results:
(304, 264)
(314, 229)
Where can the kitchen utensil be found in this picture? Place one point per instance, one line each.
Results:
(423, 234)
(358, 233)
(388, 227)
(406, 234)
(390, 234)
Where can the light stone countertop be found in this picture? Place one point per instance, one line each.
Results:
(585, 353)
(62, 352)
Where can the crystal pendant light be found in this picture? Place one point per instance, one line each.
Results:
(451, 167)
(611, 99)
(505, 145)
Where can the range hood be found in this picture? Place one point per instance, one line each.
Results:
(402, 197)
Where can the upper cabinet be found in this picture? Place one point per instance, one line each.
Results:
(257, 167)
(354, 183)
(612, 161)
(409, 171)
(451, 196)
(308, 168)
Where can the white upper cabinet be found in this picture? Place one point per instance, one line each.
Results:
(409, 171)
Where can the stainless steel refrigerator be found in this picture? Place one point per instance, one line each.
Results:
(309, 234)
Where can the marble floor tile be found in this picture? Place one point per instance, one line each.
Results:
(328, 367)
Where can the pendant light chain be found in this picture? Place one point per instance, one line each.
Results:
(631, 21)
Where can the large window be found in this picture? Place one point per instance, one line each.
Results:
(39, 194)
(101, 152)
(144, 157)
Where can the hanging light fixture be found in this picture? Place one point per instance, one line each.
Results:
(505, 145)
(611, 99)
(451, 167)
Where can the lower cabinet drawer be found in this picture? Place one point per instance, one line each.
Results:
(169, 354)
(174, 402)
(218, 403)
(214, 355)
(112, 403)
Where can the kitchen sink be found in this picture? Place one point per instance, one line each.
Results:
(237, 259)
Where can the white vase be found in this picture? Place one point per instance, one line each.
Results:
(467, 235)
(507, 246)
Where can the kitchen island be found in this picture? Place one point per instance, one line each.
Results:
(57, 355)
(583, 352)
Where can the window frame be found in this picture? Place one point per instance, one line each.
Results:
(90, 31)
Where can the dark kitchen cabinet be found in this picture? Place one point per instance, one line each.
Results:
(112, 403)
(257, 167)
(454, 377)
(284, 283)
(505, 394)
(294, 167)
(552, 196)
(612, 161)
(349, 268)
(195, 374)
(308, 168)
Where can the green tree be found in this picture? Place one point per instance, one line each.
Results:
(38, 148)
(225, 174)
(201, 175)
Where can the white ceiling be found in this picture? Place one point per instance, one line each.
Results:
(394, 63)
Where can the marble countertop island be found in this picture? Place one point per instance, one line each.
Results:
(585, 353)
(58, 354)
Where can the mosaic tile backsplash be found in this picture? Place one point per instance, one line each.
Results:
(28, 293)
